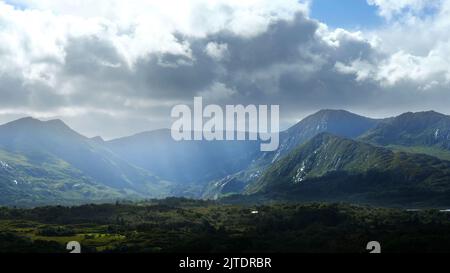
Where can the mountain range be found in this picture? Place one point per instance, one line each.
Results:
(332, 168)
(331, 155)
(338, 122)
(47, 162)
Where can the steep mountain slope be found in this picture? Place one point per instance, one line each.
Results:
(36, 149)
(27, 183)
(184, 161)
(338, 122)
(426, 132)
(334, 168)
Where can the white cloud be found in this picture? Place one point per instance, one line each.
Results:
(391, 8)
(217, 92)
(216, 51)
(335, 37)
(41, 29)
(413, 49)
(190, 17)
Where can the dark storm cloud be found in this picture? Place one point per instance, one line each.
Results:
(174, 76)
(92, 57)
(278, 44)
(289, 64)
(17, 93)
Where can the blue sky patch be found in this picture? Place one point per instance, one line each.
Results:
(349, 14)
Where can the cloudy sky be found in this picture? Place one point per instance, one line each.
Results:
(116, 67)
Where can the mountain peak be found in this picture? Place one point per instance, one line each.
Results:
(31, 120)
(98, 139)
(36, 126)
(57, 123)
(23, 123)
(424, 118)
(338, 122)
(25, 120)
(332, 115)
(423, 114)
(427, 128)
(333, 112)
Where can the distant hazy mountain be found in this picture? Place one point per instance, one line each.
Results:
(48, 160)
(185, 161)
(338, 122)
(339, 169)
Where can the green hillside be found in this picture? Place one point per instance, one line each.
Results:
(46, 162)
(24, 182)
(333, 168)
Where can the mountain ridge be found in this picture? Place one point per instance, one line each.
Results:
(425, 131)
(54, 161)
(333, 121)
(46, 154)
(330, 167)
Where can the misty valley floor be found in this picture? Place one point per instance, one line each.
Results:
(182, 225)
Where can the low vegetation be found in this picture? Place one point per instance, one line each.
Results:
(182, 225)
